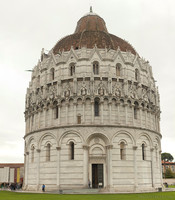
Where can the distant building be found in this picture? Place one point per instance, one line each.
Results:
(11, 172)
(168, 165)
(92, 114)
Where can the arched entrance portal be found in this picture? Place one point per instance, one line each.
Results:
(97, 160)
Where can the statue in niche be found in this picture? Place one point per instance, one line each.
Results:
(101, 89)
(132, 92)
(39, 97)
(83, 89)
(67, 90)
(33, 98)
(139, 91)
(144, 95)
(152, 97)
(67, 93)
(52, 92)
(117, 92)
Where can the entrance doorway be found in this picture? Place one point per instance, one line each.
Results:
(97, 175)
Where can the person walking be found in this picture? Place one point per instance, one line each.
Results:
(43, 188)
(89, 183)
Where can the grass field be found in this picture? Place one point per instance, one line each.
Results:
(4, 195)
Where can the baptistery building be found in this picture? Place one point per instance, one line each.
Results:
(92, 115)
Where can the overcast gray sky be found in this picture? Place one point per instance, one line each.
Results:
(27, 26)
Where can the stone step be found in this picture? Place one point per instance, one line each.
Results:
(77, 191)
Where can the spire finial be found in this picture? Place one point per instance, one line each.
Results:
(91, 9)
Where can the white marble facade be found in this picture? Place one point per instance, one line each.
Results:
(91, 107)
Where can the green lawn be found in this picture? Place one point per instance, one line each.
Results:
(171, 186)
(4, 195)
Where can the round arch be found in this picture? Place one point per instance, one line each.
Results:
(100, 135)
(43, 136)
(147, 136)
(68, 132)
(124, 132)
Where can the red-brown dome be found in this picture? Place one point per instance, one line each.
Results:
(90, 31)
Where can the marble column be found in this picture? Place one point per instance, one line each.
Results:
(126, 114)
(109, 166)
(101, 108)
(26, 169)
(135, 167)
(75, 112)
(38, 169)
(92, 112)
(85, 166)
(140, 108)
(83, 120)
(58, 166)
(152, 167)
(59, 114)
(110, 112)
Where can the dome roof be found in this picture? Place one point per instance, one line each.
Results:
(90, 31)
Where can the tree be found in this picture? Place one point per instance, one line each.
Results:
(166, 157)
(169, 173)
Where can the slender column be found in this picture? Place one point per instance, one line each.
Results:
(118, 113)
(45, 117)
(39, 119)
(83, 120)
(135, 167)
(110, 112)
(156, 122)
(75, 112)
(30, 122)
(146, 118)
(34, 119)
(86, 164)
(26, 168)
(126, 114)
(140, 108)
(58, 166)
(152, 167)
(133, 115)
(101, 105)
(51, 116)
(59, 114)
(67, 112)
(109, 165)
(92, 111)
(38, 168)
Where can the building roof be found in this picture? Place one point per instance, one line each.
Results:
(11, 165)
(90, 31)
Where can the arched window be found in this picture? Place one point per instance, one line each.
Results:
(48, 152)
(95, 68)
(96, 107)
(122, 151)
(52, 73)
(72, 69)
(118, 69)
(38, 80)
(143, 151)
(56, 113)
(32, 153)
(71, 150)
(136, 74)
(78, 119)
